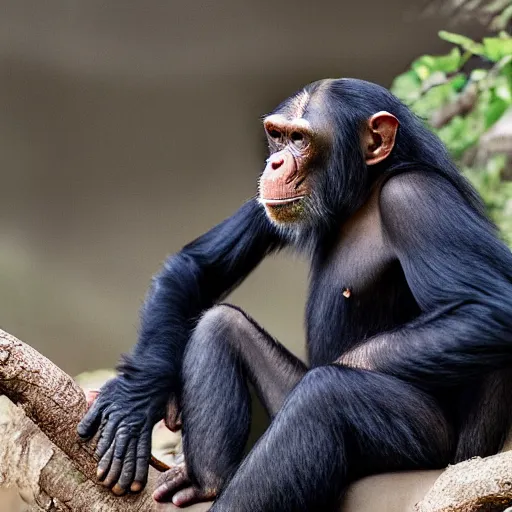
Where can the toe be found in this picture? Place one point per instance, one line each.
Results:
(170, 482)
(190, 495)
(185, 496)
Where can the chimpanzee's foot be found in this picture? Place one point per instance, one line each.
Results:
(175, 485)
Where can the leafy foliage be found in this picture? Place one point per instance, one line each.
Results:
(462, 102)
(497, 193)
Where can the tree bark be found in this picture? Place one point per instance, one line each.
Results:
(475, 485)
(40, 451)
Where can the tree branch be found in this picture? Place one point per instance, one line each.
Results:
(463, 104)
(48, 461)
(475, 485)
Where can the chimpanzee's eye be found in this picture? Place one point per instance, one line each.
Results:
(297, 139)
(275, 134)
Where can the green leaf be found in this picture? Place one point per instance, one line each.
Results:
(458, 82)
(428, 64)
(495, 48)
(460, 134)
(421, 70)
(496, 164)
(448, 63)
(502, 90)
(477, 75)
(494, 111)
(462, 41)
(406, 86)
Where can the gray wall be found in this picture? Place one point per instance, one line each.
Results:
(128, 128)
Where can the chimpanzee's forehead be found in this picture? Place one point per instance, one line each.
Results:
(309, 101)
(307, 107)
(294, 107)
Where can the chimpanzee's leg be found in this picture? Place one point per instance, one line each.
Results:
(226, 350)
(336, 425)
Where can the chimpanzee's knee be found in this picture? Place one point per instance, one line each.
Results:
(221, 320)
(216, 332)
(316, 396)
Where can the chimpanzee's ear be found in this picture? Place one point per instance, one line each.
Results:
(379, 137)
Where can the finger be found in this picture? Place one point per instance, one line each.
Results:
(108, 433)
(106, 459)
(90, 422)
(142, 462)
(128, 469)
(105, 462)
(103, 423)
(122, 438)
(120, 448)
(170, 482)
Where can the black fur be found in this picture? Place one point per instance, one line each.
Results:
(432, 320)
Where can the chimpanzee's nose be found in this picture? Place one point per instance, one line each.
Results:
(277, 163)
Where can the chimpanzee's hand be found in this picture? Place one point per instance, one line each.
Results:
(124, 420)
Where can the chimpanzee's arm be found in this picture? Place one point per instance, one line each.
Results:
(190, 282)
(461, 276)
(202, 273)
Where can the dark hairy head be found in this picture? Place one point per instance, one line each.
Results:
(330, 142)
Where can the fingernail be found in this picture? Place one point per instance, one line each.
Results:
(118, 490)
(136, 487)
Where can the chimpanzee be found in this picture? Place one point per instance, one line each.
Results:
(409, 322)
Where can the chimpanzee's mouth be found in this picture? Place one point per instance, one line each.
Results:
(280, 202)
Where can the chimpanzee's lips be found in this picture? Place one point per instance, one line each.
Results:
(279, 202)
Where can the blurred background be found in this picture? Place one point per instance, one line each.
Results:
(129, 128)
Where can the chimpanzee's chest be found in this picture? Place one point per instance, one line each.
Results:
(357, 291)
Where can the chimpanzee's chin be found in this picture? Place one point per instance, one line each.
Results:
(285, 213)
